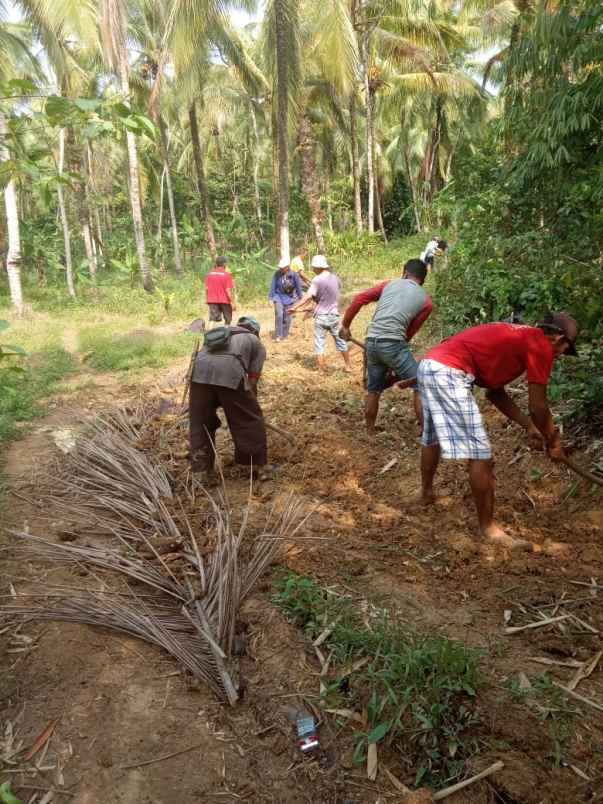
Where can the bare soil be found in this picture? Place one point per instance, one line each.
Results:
(119, 703)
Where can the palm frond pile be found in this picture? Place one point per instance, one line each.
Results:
(185, 601)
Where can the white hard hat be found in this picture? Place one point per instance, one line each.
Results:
(320, 261)
(284, 262)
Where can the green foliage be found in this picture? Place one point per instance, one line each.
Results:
(418, 691)
(7, 796)
(548, 703)
(21, 393)
(105, 351)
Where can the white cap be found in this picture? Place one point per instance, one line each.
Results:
(320, 261)
(284, 262)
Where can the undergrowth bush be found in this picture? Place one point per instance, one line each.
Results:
(418, 691)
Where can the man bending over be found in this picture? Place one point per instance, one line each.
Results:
(403, 306)
(225, 375)
(490, 356)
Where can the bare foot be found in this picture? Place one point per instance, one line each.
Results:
(428, 498)
(349, 370)
(496, 535)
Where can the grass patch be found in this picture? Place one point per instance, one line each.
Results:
(550, 705)
(139, 349)
(22, 391)
(418, 691)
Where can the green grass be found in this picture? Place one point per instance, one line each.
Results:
(138, 349)
(22, 392)
(418, 691)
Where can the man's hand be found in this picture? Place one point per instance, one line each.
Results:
(345, 333)
(291, 311)
(555, 448)
(535, 439)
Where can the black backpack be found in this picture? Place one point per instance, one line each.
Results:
(287, 285)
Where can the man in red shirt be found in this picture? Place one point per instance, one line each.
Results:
(403, 306)
(219, 290)
(490, 356)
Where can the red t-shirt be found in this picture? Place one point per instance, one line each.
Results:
(217, 282)
(495, 354)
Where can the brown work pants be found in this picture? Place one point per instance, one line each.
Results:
(245, 420)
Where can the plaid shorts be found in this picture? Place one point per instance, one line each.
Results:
(452, 418)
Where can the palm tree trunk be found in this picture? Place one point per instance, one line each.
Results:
(64, 220)
(309, 178)
(282, 115)
(86, 217)
(355, 164)
(256, 167)
(379, 210)
(369, 134)
(413, 192)
(201, 184)
(170, 195)
(160, 220)
(134, 184)
(13, 256)
(354, 143)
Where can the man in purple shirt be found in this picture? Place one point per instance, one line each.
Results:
(324, 290)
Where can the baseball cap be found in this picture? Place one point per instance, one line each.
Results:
(319, 261)
(284, 262)
(249, 322)
(562, 324)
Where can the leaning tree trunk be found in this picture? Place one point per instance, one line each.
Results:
(282, 115)
(201, 183)
(170, 195)
(309, 179)
(256, 167)
(13, 256)
(134, 185)
(64, 219)
(354, 142)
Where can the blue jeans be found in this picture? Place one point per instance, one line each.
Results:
(282, 320)
(330, 322)
(383, 354)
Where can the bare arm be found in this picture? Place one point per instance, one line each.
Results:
(304, 302)
(501, 400)
(543, 420)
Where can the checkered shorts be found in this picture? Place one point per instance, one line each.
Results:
(452, 418)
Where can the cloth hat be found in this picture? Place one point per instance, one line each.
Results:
(319, 261)
(284, 262)
(562, 324)
(249, 322)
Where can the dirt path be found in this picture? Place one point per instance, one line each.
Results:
(118, 703)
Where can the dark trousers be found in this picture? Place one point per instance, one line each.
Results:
(282, 320)
(245, 420)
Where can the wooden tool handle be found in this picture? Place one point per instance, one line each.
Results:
(582, 472)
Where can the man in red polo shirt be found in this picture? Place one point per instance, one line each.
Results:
(490, 356)
(219, 290)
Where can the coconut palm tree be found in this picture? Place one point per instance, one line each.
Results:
(113, 27)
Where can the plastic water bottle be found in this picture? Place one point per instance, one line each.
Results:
(306, 732)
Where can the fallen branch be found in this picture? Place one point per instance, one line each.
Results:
(549, 621)
(579, 697)
(448, 791)
(582, 472)
(161, 759)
